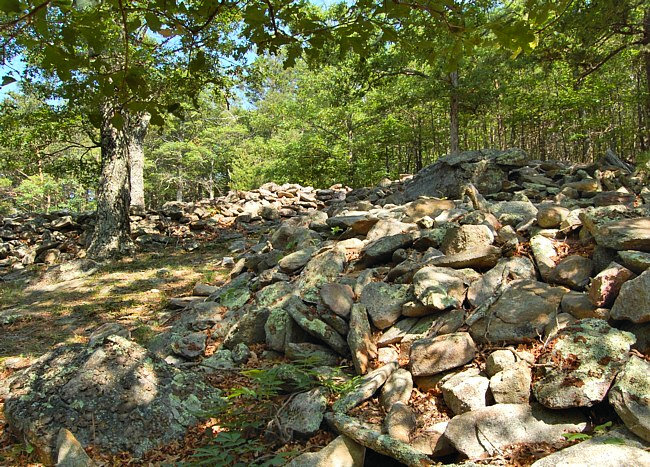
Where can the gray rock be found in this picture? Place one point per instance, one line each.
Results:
(480, 257)
(544, 252)
(304, 414)
(360, 340)
(430, 207)
(396, 332)
(190, 345)
(605, 287)
(550, 216)
(204, 290)
(636, 261)
(384, 302)
(400, 422)
(70, 452)
(296, 260)
(573, 271)
(107, 329)
(368, 386)
(314, 353)
(465, 391)
(449, 174)
(488, 430)
(398, 388)
(514, 268)
(389, 228)
(499, 360)
(342, 452)
(514, 213)
(630, 396)
(578, 305)
(220, 360)
(584, 360)
(434, 355)
(382, 249)
(614, 449)
(137, 401)
(309, 321)
(234, 294)
(358, 222)
(633, 301)
(338, 297)
(512, 384)
(438, 288)
(433, 442)
(466, 237)
(618, 234)
(520, 314)
(321, 269)
(241, 353)
(250, 329)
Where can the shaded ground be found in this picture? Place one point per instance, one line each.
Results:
(134, 292)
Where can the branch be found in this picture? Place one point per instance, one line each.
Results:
(607, 58)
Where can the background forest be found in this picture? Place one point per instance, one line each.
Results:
(351, 118)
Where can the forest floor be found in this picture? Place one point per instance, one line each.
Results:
(134, 292)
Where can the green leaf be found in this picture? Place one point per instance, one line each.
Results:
(171, 108)
(6, 80)
(614, 441)
(153, 22)
(603, 427)
(575, 436)
(198, 62)
(157, 119)
(118, 121)
(10, 6)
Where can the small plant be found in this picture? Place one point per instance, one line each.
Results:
(336, 230)
(598, 430)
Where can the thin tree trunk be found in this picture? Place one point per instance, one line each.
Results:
(136, 130)
(179, 176)
(111, 236)
(453, 113)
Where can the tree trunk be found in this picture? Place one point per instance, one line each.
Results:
(135, 132)
(179, 178)
(453, 113)
(111, 234)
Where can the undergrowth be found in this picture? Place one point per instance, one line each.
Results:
(244, 435)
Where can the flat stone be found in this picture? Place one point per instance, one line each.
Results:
(480, 257)
(359, 222)
(578, 305)
(614, 449)
(584, 360)
(432, 442)
(610, 228)
(636, 261)
(338, 297)
(514, 213)
(573, 271)
(488, 430)
(630, 396)
(296, 260)
(605, 287)
(190, 345)
(499, 360)
(520, 314)
(382, 249)
(342, 452)
(384, 302)
(633, 301)
(389, 228)
(434, 355)
(396, 332)
(430, 207)
(318, 354)
(360, 340)
(322, 268)
(249, 329)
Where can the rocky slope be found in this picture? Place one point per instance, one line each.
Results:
(491, 303)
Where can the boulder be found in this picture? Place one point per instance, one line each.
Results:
(489, 430)
(304, 414)
(439, 288)
(605, 287)
(397, 388)
(581, 365)
(433, 355)
(360, 339)
(466, 237)
(309, 321)
(137, 400)
(338, 298)
(515, 268)
(520, 314)
(573, 271)
(384, 302)
(617, 228)
(321, 269)
(342, 452)
(630, 396)
(465, 391)
(400, 422)
(512, 384)
(633, 301)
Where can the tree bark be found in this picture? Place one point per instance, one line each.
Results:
(111, 236)
(453, 113)
(136, 130)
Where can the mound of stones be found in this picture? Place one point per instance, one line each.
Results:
(60, 236)
(510, 295)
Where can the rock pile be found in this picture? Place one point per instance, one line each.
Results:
(515, 289)
(60, 236)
